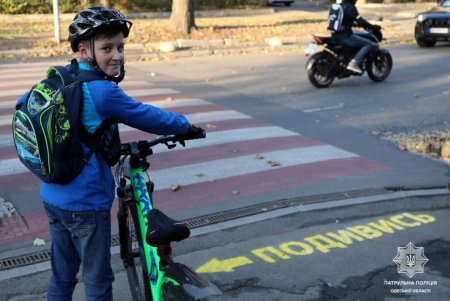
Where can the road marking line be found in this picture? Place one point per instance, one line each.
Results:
(163, 104)
(339, 106)
(131, 93)
(14, 166)
(232, 167)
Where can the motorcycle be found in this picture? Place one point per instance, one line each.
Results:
(330, 63)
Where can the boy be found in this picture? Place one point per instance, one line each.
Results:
(79, 212)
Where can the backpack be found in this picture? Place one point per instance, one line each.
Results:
(47, 129)
(335, 18)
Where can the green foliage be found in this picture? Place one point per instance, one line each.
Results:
(43, 6)
(23, 7)
(72, 6)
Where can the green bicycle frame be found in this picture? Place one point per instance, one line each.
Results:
(162, 271)
(143, 198)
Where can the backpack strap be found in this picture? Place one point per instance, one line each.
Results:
(82, 75)
(87, 76)
(93, 141)
(66, 76)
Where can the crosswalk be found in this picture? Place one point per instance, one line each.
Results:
(240, 157)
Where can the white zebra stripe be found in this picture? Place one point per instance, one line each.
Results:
(8, 76)
(26, 83)
(132, 93)
(6, 140)
(178, 102)
(44, 65)
(236, 135)
(30, 82)
(164, 104)
(5, 120)
(200, 118)
(231, 167)
(151, 92)
(16, 92)
(14, 166)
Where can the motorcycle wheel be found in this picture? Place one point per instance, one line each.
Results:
(318, 70)
(379, 65)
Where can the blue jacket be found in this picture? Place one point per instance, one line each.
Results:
(93, 188)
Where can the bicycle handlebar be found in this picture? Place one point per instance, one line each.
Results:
(145, 146)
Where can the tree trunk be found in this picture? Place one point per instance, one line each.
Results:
(182, 18)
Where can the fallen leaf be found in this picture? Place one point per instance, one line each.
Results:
(273, 162)
(38, 242)
(259, 156)
(170, 98)
(175, 187)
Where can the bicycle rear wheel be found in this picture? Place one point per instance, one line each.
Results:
(136, 267)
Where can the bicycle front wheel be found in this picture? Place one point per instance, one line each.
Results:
(136, 267)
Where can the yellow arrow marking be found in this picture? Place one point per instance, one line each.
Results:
(227, 265)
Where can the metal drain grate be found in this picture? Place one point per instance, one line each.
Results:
(278, 204)
(15, 262)
(216, 218)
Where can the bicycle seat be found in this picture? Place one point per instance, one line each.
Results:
(162, 230)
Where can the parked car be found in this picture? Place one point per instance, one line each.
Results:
(433, 25)
(285, 2)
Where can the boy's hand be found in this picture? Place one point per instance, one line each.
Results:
(376, 27)
(195, 132)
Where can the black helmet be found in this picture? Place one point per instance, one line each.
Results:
(92, 20)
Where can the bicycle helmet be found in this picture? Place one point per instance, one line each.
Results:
(93, 20)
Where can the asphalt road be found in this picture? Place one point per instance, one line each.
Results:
(301, 253)
(414, 97)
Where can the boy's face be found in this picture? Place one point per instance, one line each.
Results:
(109, 53)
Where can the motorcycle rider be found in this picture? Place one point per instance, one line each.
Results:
(346, 37)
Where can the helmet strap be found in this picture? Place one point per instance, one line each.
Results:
(92, 47)
(90, 61)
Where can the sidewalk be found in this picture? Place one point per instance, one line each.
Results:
(288, 34)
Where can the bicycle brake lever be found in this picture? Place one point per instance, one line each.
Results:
(170, 146)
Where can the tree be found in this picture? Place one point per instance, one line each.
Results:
(182, 18)
(106, 3)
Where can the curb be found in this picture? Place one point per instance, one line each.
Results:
(186, 48)
(369, 196)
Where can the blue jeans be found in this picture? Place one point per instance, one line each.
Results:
(80, 238)
(364, 45)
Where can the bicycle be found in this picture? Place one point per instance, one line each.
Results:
(146, 233)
